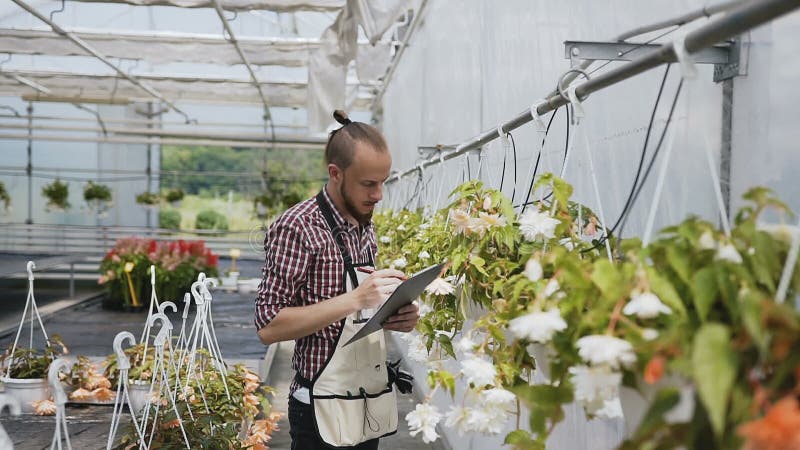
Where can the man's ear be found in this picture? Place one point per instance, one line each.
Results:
(335, 173)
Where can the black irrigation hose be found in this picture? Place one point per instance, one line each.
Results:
(627, 206)
(655, 155)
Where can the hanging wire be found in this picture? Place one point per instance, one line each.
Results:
(56, 11)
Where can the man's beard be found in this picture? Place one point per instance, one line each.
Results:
(349, 205)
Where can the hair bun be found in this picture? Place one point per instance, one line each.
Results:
(341, 117)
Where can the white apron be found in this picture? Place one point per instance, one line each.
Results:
(351, 396)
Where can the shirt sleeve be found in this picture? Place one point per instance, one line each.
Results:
(285, 271)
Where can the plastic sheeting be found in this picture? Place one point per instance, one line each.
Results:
(327, 68)
(474, 64)
(186, 88)
(162, 48)
(239, 5)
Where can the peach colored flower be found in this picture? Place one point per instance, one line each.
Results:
(80, 395)
(44, 407)
(779, 429)
(104, 394)
(654, 369)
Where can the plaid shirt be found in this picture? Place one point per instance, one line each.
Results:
(303, 266)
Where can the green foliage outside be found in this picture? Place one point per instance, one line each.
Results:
(169, 219)
(211, 220)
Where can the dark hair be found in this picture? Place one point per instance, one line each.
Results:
(342, 141)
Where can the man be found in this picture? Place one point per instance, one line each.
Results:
(315, 288)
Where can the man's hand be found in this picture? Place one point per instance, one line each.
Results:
(405, 320)
(377, 287)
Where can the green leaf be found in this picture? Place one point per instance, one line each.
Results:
(679, 261)
(704, 291)
(751, 317)
(608, 279)
(666, 292)
(543, 394)
(521, 440)
(715, 365)
(446, 344)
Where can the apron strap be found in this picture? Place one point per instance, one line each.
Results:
(325, 209)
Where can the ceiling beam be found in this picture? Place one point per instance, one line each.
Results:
(283, 6)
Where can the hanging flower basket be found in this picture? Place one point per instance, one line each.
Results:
(148, 199)
(174, 197)
(56, 193)
(5, 198)
(98, 197)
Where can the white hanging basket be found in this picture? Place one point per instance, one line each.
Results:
(26, 391)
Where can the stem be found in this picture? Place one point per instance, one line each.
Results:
(615, 315)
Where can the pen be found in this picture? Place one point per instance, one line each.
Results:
(370, 270)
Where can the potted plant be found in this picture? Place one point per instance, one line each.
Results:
(5, 198)
(139, 376)
(25, 372)
(174, 197)
(97, 196)
(177, 266)
(86, 384)
(56, 194)
(148, 199)
(232, 419)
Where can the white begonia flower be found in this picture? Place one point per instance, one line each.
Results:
(478, 372)
(600, 349)
(492, 220)
(551, 287)
(487, 203)
(533, 269)
(385, 240)
(417, 351)
(424, 419)
(595, 385)
(728, 252)
(612, 409)
(440, 287)
(424, 309)
(424, 225)
(534, 224)
(498, 397)
(460, 220)
(567, 244)
(538, 326)
(646, 305)
(401, 227)
(399, 263)
(465, 345)
(423, 255)
(457, 418)
(649, 334)
(707, 241)
(487, 420)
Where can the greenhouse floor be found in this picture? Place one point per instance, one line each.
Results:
(87, 329)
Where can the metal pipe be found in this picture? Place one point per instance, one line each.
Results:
(161, 133)
(396, 60)
(243, 57)
(165, 141)
(738, 20)
(147, 121)
(79, 42)
(156, 173)
(29, 167)
(705, 11)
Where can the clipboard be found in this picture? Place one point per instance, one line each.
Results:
(406, 293)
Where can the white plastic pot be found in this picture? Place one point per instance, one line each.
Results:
(138, 392)
(27, 391)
